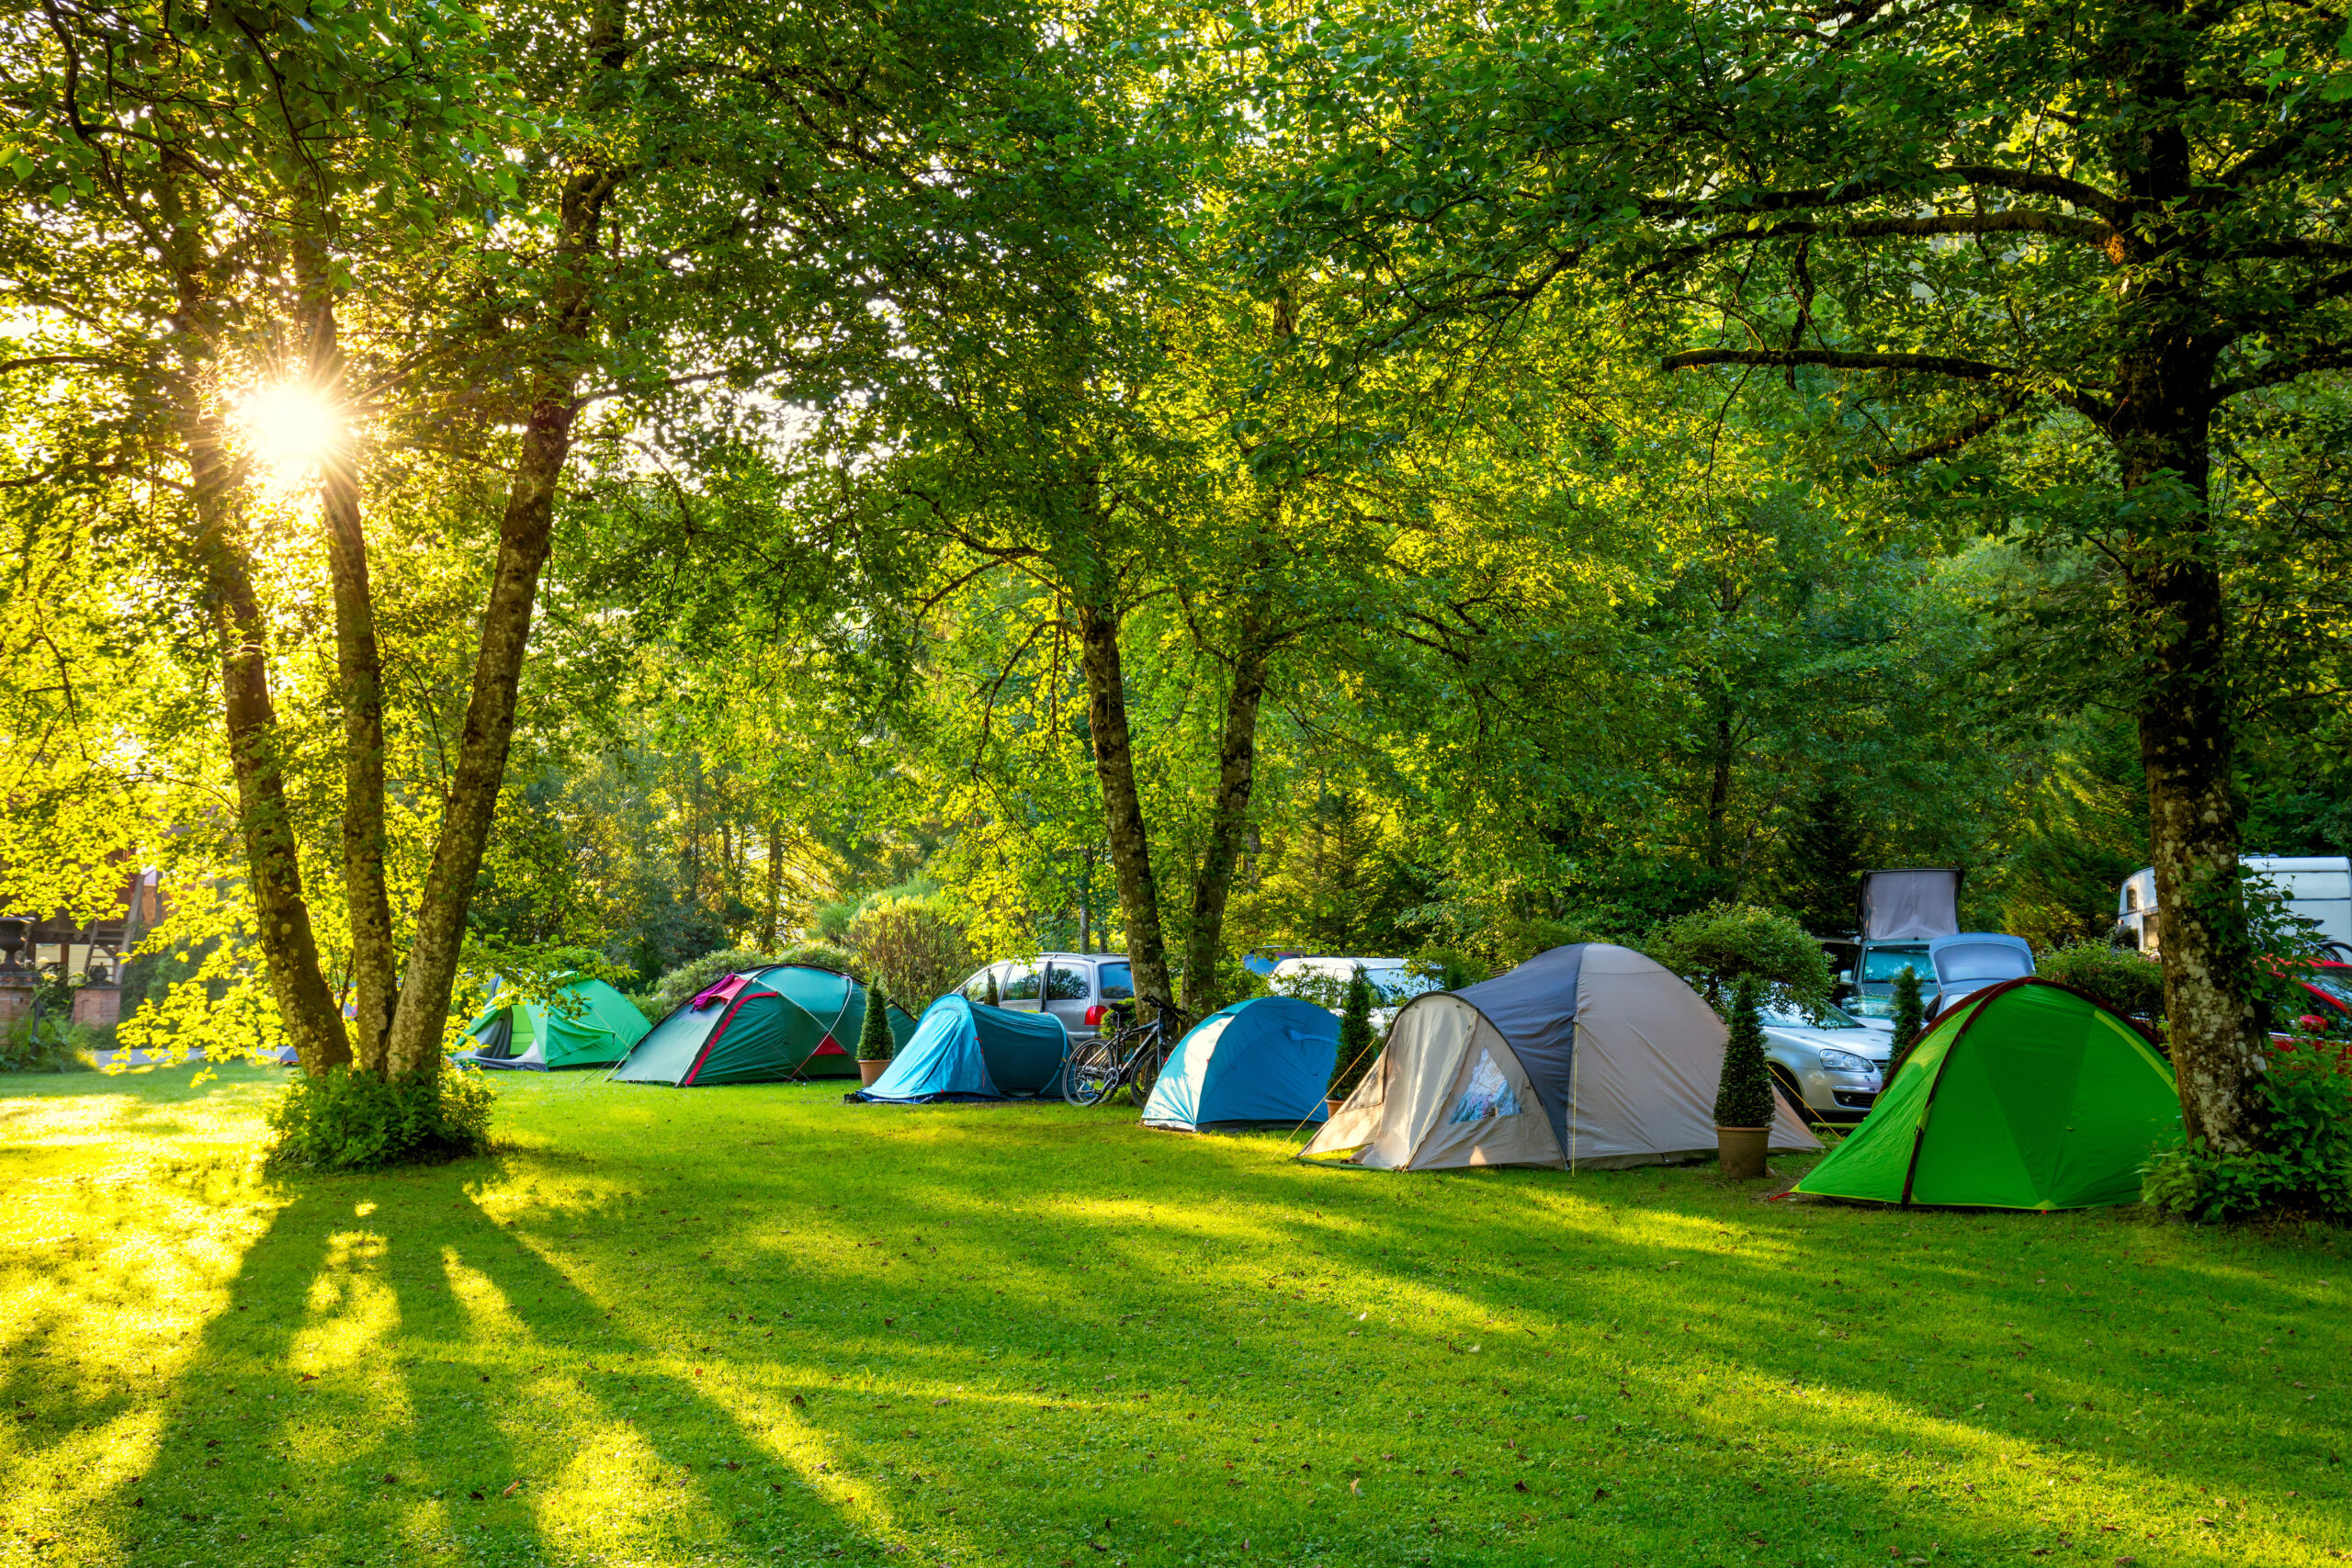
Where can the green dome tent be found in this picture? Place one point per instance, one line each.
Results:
(593, 1027)
(788, 1021)
(2026, 1096)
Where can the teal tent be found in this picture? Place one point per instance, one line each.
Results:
(1265, 1062)
(590, 1025)
(965, 1050)
(786, 1022)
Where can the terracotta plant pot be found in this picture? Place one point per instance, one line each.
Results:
(1331, 1106)
(868, 1071)
(1741, 1150)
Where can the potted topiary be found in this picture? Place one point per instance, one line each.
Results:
(873, 1042)
(1909, 1016)
(1355, 1043)
(1744, 1094)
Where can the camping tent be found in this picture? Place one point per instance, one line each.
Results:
(593, 1027)
(967, 1050)
(2025, 1096)
(1267, 1060)
(761, 1026)
(1589, 1056)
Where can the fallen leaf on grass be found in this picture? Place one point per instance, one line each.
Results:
(511, 1487)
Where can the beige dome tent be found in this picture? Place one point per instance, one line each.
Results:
(1590, 1056)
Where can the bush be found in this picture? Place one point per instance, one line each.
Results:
(48, 1047)
(915, 946)
(1744, 1093)
(2131, 983)
(2305, 1168)
(1910, 1021)
(346, 1120)
(1357, 1046)
(823, 955)
(681, 984)
(1717, 945)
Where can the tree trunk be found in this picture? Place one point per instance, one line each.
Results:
(525, 533)
(1719, 793)
(1114, 767)
(273, 866)
(776, 881)
(1229, 821)
(2187, 743)
(2161, 431)
(359, 670)
(472, 803)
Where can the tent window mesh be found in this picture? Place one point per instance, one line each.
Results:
(1487, 1095)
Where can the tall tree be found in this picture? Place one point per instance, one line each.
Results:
(2111, 225)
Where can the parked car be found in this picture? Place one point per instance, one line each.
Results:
(1948, 968)
(1082, 989)
(1829, 1063)
(1324, 982)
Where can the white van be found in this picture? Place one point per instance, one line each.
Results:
(1324, 982)
(2318, 887)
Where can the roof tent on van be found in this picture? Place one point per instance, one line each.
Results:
(1920, 901)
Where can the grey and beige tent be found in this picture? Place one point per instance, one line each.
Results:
(1588, 1057)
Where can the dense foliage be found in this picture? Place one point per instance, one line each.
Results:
(1358, 1041)
(2305, 1168)
(342, 1120)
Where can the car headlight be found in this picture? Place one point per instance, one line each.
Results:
(1844, 1062)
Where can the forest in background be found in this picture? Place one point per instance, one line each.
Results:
(1360, 478)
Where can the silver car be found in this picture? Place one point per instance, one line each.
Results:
(1080, 989)
(1829, 1063)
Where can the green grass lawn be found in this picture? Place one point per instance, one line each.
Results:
(753, 1325)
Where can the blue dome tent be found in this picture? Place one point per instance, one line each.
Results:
(1263, 1062)
(965, 1050)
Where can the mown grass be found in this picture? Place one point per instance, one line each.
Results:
(756, 1326)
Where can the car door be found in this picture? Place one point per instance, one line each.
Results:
(1070, 991)
(1022, 984)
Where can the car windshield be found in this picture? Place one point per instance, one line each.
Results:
(1782, 1013)
(1118, 982)
(1983, 961)
(2334, 983)
(1883, 963)
(1398, 984)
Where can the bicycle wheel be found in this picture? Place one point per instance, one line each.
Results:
(1091, 1075)
(1145, 1072)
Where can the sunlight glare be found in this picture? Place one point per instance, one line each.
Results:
(291, 427)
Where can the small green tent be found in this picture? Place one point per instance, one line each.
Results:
(594, 1026)
(788, 1021)
(2026, 1096)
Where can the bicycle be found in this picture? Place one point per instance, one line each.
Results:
(1131, 1056)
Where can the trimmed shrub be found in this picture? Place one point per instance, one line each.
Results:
(874, 1042)
(2304, 1170)
(1744, 1093)
(1715, 946)
(993, 998)
(346, 1120)
(2131, 983)
(1910, 1019)
(1357, 1046)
